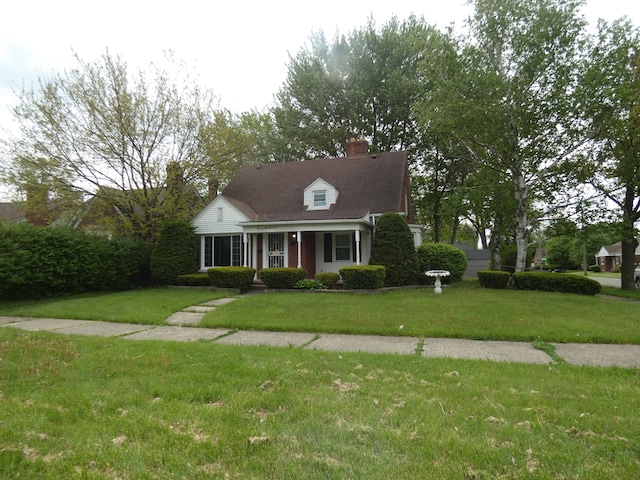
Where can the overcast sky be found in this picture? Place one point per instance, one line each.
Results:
(239, 48)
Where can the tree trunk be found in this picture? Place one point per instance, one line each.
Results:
(494, 244)
(629, 242)
(522, 221)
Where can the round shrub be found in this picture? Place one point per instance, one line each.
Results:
(594, 268)
(442, 256)
(281, 278)
(494, 279)
(556, 282)
(394, 249)
(175, 252)
(232, 277)
(329, 279)
(363, 277)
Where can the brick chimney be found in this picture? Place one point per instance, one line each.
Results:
(357, 147)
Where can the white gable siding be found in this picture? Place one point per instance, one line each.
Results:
(219, 217)
(320, 185)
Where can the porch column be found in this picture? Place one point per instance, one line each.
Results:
(357, 236)
(299, 239)
(245, 242)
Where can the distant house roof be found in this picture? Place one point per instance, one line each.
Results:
(366, 184)
(12, 211)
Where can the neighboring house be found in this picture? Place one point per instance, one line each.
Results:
(316, 214)
(477, 260)
(609, 258)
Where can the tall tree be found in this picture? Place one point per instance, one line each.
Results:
(610, 94)
(100, 130)
(507, 98)
(361, 84)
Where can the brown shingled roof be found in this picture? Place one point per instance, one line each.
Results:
(372, 183)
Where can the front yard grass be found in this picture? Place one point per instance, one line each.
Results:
(459, 312)
(82, 407)
(147, 306)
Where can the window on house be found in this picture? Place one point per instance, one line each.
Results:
(319, 198)
(223, 251)
(343, 246)
(220, 213)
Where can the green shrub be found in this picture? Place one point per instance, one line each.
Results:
(309, 285)
(556, 282)
(442, 256)
(175, 252)
(394, 249)
(329, 279)
(281, 278)
(232, 277)
(52, 261)
(494, 279)
(594, 268)
(363, 277)
(194, 280)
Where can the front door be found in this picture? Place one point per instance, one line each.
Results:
(276, 250)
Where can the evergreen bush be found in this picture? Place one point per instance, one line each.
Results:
(329, 279)
(494, 279)
(594, 268)
(232, 277)
(175, 252)
(363, 277)
(281, 278)
(556, 282)
(393, 248)
(193, 280)
(442, 256)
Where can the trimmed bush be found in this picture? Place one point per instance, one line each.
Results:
(594, 268)
(556, 282)
(494, 279)
(194, 280)
(394, 249)
(281, 278)
(442, 256)
(52, 261)
(363, 277)
(329, 279)
(232, 277)
(175, 252)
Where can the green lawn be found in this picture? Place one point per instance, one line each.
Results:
(82, 407)
(148, 306)
(458, 312)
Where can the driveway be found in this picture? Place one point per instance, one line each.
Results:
(608, 282)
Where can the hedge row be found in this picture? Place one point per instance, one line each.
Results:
(232, 277)
(45, 262)
(543, 281)
(281, 278)
(366, 277)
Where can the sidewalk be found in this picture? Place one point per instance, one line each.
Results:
(626, 356)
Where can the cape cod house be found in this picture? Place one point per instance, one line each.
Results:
(609, 257)
(316, 214)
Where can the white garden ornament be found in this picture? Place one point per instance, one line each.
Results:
(437, 274)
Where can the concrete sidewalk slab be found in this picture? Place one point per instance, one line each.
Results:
(185, 318)
(274, 339)
(366, 343)
(626, 356)
(44, 324)
(484, 350)
(199, 309)
(219, 302)
(104, 329)
(178, 334)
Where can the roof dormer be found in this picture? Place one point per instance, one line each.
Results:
(320, 195)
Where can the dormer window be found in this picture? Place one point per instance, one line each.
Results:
(320, 195)
(319, 198)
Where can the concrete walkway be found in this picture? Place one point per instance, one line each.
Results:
(180, 328)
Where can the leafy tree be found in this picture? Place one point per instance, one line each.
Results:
(99, 130)
(504, 93)
(361, 84)
(393, 248)
(610, 103)
(175, 252)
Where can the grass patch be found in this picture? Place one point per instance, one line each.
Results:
(76, 407)
(618, 292)
(149, 306)
(460, 312)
